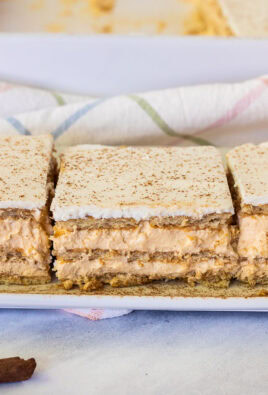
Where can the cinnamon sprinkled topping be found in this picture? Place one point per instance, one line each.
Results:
(142, 181)
(24, 167)
(248, 164)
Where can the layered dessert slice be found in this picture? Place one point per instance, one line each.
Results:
(26, 188)
(248, 167)
(241, 18)
(207, 18)
(129, 215)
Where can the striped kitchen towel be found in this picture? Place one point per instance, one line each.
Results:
(217, 114)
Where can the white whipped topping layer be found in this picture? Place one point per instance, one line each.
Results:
(138, 213)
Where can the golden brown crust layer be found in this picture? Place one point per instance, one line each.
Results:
(16, 213)
(211, 220)
(126, 280)
(165, 257)
(21, 280)
(169, 289)
(15, 256)
(254, 210)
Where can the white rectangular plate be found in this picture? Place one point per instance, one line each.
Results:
(132, 302)
(135, 64)
(172, 295)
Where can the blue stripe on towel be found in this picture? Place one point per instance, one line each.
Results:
(18, 126)
(75, 117)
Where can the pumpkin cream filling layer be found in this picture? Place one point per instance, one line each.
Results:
(144, 251)
(27, 170)
(253, 271)
(253, 249)
(193, 269)
(248, 170)
(25, 236)
(188, 240)
(24, 250)
(253, 238)
(22, 267)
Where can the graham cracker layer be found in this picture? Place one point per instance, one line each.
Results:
(19, 213)
(170, 289)
(210, 220)
(17, 256)
(126, 280)
(22, 280)
(254, 210)
(165, 257)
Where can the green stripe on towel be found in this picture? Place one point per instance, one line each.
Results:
(153, 114)
(59, 98)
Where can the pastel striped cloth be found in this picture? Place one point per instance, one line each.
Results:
(218, 114)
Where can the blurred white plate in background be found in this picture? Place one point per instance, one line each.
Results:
(108, 65)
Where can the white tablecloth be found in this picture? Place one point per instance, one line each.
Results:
(154, 353)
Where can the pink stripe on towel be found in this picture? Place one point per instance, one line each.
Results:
(240, 106)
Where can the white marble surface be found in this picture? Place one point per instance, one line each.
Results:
(141, 353)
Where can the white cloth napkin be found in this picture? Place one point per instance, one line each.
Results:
(218, 114)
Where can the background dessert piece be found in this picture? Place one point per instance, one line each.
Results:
(248, 167)
(241, 18)
(131, 215)
(207, 19)
(26, 189)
